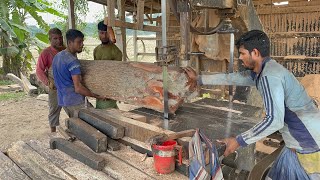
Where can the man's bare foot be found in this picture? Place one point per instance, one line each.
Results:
(53, 129)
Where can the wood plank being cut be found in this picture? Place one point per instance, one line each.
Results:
(136, 83)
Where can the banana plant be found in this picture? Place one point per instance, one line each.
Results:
(15, 37)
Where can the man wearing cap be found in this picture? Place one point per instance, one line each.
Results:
(44, 63)
(107, 50)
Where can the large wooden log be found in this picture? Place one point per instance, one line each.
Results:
(136, 83)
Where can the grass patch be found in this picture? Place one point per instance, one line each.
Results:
(12, 96)
(5, 82)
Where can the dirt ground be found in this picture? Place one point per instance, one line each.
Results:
(24, 119)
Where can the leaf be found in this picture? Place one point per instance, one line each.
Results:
(38, 18)
(42, 37)
(28, 54)
(36, 42)
(24, 28)
(5, 26)
(6, 37)
(22, 45)
(11, 51)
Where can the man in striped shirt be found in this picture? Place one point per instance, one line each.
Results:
(288, 109)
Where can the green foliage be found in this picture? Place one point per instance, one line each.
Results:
(16, 38)
(12, 96)
(5, 82)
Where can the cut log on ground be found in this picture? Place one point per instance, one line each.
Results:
(87, 134)
(136, 83)
(134, 129)
(33, 164)
(9, 170)
(66, 162)
(23, 82)
(80, 153)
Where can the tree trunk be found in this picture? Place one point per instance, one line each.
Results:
(136, 83)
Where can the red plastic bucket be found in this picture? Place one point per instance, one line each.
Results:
(164, 157)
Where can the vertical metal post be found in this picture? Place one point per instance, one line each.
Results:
(164, 67)
(231, 64)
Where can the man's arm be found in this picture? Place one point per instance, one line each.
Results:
(41, 69)
(236, 79)
(239, 79)
(273, 98)
(80, 89)
(94, 53)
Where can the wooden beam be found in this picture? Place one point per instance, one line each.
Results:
(111, 16)
(131, 115)
(69, 164)
(9, 170)
(149, 18)
(33, 164)
(122, 17)
(134, 129)
(140, 14)
(133, 26)
(113, 130)
(284, 10)
(23, 82)
(294, 34)
(71, 16)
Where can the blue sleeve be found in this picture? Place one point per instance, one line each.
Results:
(74, 68)
(237, 79)
(273, 98)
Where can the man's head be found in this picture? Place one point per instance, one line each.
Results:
(253, 47)
(103, 33)
(55, 38)
(74, 40)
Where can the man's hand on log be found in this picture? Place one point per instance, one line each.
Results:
(192, 78)
(231, 145)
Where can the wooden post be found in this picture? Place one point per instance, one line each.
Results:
(185, 33)
(135, 43)
(71, 17)
(111, 16)
(140, 14)
(121, 13)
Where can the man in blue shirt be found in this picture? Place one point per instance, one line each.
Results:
(67, 75)
(288, 109)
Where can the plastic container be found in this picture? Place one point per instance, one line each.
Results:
(164, 156)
